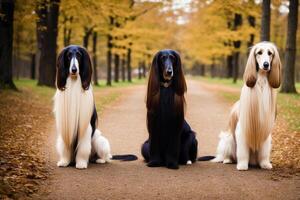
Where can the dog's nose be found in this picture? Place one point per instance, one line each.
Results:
(266, 65)
(169, 72)
(74, 69)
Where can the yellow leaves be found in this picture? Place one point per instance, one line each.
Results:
(212, 26)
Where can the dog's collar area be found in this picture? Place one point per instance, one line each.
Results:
(166, 84)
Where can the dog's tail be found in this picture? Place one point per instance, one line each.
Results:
(205, 158)
(125, 157)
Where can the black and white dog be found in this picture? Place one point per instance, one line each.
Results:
(75, 111)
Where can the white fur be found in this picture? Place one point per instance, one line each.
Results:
(226, 148)
(101, 147)
(73, 110)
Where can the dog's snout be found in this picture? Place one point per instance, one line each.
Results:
(169, 71)
(266, 65)
(74, 69)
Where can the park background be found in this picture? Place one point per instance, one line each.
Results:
(213, 38)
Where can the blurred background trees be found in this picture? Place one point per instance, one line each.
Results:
(122, 36)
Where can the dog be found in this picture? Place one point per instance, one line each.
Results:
(171, 141)
(75, 112)
(248, 138)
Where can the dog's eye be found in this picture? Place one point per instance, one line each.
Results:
(269, 53)
(172, 57)
(78, 54)
(163, 57)
(69, 55)
(259, 53)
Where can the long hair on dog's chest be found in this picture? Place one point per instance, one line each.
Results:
(73, 110)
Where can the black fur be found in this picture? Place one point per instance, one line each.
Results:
(94, 120)
(171, 141)
(63, 65)
(125, 157)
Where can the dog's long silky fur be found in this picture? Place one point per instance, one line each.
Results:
(73, 108)
(253, 116)
(165, 117)
(75, 112)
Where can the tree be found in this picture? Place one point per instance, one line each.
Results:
(6, 43)
(288, 84)
(95, 71)
(117, 63)
(265, 20)
(47, 26)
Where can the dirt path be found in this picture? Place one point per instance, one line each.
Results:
(123, 123)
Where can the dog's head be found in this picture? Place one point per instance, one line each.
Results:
(263, 57)
(73, 61)
(166, 69)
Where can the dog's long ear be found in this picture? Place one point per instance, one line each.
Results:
(275, 73)
(62, 70)
(85, 69)
(179, 80)
(250, 74)
(153, 84)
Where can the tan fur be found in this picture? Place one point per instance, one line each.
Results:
(73, 109)
(275, 73)
(233, 117)
(256, 109)
(250, 75)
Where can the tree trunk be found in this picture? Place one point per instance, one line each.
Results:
(202, 70)
(129, 64)
(6, 43)
(236, 66)
(238, 20)
(250, 43)
(109, 59)
(229, 66)
(123, 63)
(32, 75)
(140, 70)
(265, 20)
(95, 71)
(144, 69)
(86, 37)
(212, 69)
(117, 69)
(47, 39)
(288, 84)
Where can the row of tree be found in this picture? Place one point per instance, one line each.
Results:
(113, 31)
(225, 30)
(122, 34)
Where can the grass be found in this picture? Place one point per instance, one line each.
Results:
(288, 104)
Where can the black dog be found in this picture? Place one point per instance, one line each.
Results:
(171, 140)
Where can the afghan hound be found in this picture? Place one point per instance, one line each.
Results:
(75, 111)
(252, 118)
(171, 140)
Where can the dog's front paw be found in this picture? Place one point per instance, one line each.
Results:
(265, 165)
(63, 163)
(227, 161)
(100, 161)
(154, 163)
(242, 166)
(81, 165)
(189, 162)
(172, 165)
